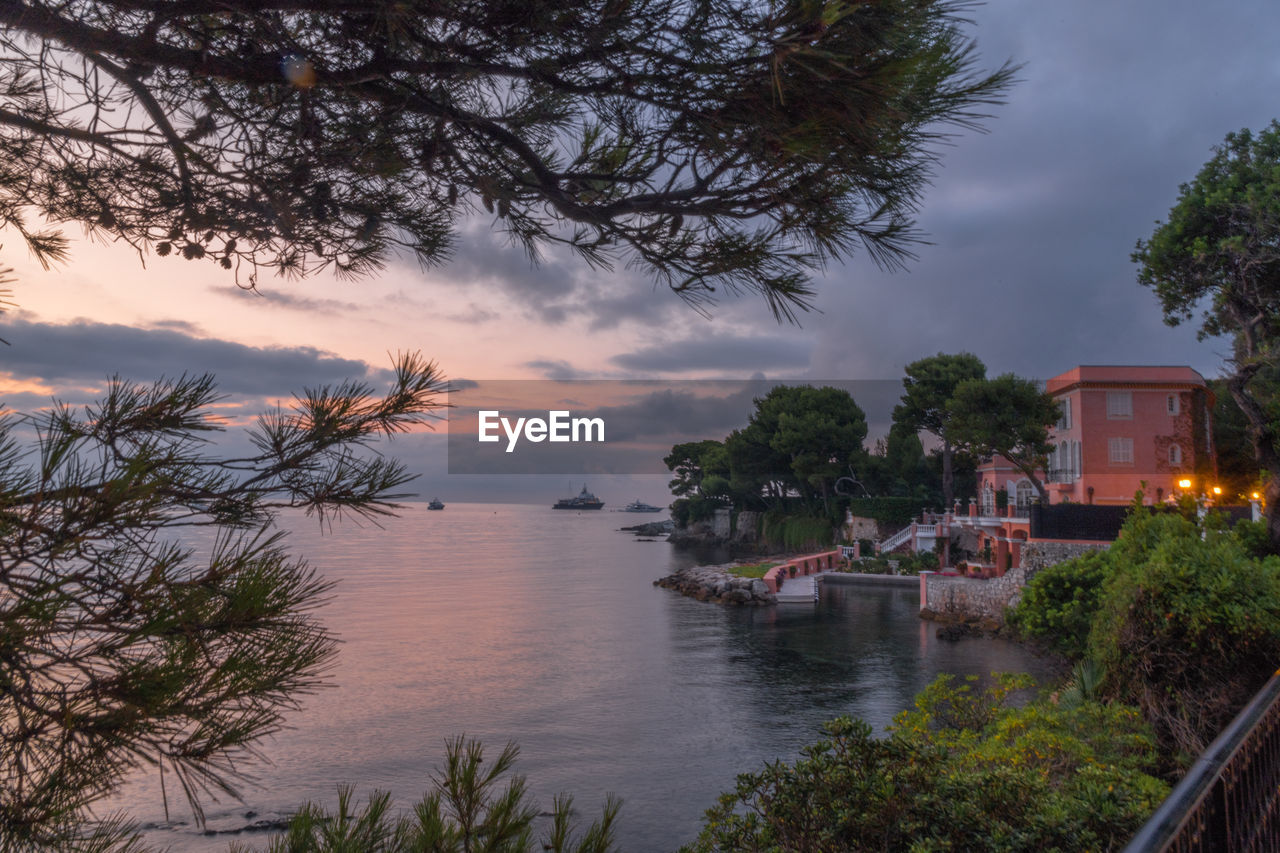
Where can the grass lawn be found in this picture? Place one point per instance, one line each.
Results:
(751, 570)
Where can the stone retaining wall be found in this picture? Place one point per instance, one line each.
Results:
(955, 599)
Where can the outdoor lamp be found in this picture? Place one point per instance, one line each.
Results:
(1184, 484)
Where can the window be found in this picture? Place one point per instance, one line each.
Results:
(1172, 405)
(1077, 466)
(1119, 405)
(1024, 493)
(988, 502)
(1175, 455)
(1061, 461)
(1064, 423)
(1120, 451)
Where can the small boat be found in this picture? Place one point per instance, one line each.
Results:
(640, 506)
(435, 504)
(584, 500)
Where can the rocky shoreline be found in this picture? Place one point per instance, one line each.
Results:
(719, 586)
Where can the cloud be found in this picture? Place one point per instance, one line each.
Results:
(738, 354)
(181, 326)
(86, 353)
(1032, 224)
(559, 369)
(267, 295)
(474, 315)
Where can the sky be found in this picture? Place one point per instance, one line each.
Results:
(1030, 224)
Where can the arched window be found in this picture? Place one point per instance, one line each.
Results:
(1024, 494)
(988, 501)
(1175, 455)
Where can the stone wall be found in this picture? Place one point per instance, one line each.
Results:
(1049, 552)
(954, 599)
(862, 528)
(747, 526)
(721, 526)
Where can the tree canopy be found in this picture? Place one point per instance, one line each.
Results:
(121, 647)
(1219, 255)
(732, 145)
(800, 439)
(929, 386)
(1006, 416)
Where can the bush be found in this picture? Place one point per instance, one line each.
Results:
(687, 511)
(1179, 604)
(899, 511)
(1254, 538)
(798, 532)
(1059, 603)
(961, 771)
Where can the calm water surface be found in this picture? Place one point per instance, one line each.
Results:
(512, 622)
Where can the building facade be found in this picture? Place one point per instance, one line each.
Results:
(1123, 429)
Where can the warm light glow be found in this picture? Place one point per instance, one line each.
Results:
(1256, 496)
(1217, 491)
(1184, 484)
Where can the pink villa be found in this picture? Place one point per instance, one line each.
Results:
(1121, 426)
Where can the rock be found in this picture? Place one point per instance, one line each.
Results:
(955, 632)
(651, 528)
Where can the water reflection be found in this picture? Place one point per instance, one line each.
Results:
(544, 627)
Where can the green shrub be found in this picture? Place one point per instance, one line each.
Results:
(1188, 627)
(687, 511)
(1059, 603)
(798, 532)
(963, 770)
(900, 511)
(1254, 538)
(914, 564)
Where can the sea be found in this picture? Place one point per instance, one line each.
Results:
(517, 623)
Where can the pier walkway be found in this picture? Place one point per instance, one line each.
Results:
(799, 590)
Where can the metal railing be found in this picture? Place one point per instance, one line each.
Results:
(1230, 799)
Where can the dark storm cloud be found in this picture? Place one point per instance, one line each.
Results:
(770, 352)
(87, 353)
(26, 401)
(559, 288)
(1030, 225)
(636, 433)
(1033, 224)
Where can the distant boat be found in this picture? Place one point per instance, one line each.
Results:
(584, 500)
(435, 504)
(640, 506)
